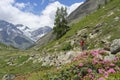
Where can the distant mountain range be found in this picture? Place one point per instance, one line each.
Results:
(87, 8)
(40, 32)
(20, 36)
(34, 34)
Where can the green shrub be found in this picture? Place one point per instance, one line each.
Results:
(67, 47)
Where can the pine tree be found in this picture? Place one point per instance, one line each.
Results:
(60, 23)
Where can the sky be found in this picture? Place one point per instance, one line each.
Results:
(34, 13)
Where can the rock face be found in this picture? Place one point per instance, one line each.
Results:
(10, 35)
(83, 10)
(45, 39)
(86, 8)
(115, 46)
(8, 77)
(36, 34)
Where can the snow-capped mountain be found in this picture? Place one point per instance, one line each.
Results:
(34, 34)
(11, 35)
(25, 29)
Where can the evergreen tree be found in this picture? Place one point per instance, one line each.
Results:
(60, 23)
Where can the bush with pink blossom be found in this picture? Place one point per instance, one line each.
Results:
(89, 66)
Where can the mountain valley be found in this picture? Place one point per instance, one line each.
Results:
(37, 55)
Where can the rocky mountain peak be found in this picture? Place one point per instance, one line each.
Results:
(11, 35)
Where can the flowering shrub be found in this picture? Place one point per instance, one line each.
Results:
(91, 67)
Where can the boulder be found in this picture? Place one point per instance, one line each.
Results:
(110, 57)
(8, 77)
(115, 46)
(116, 18)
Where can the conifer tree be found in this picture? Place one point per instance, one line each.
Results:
(60, 23)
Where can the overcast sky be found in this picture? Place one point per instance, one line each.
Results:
(34, 13)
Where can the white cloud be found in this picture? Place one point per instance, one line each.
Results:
(13, 14)
(48, 14)
(73, 7)
(10, 13)
(20, 5)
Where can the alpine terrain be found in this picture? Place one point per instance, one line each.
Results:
(59, 54)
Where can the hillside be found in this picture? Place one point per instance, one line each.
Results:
(63, 59)
(88, 7)
(94, 28)
(10, 35)
(85, 9)
(98, 29)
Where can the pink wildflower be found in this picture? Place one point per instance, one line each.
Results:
(81, 64)
(116, 59)
(100, 71)
(90, 76)
(112, 64)
(111, 70)
(101, 51)
(94, 53)
(107, 68)
(106, 61)
(101, 78)
(94, 61)
(106, 74)
(89, 70)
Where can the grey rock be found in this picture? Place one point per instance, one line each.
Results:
(116, 18)
(99, 25)
(110, 57)
(81, 32)
(8, 77)
(115, 46)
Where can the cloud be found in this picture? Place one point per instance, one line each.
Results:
(20, 5)
(73, 7)
(11, 11)
(27, 7)
(48, 14)
(12, 14)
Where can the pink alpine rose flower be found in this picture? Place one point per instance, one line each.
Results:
(81, 64)
(89, 70)
(111, 70)
(95, 53)
(100, 71)
(101, 78)
(112, 65)
(106, 74)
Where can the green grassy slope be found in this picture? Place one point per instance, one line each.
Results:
(108, 19)
(109, 30)
(14, 61)
(106, 16)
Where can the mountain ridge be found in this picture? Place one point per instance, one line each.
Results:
(12, 36)
(75, 16)
(64, 59)
(88, 7)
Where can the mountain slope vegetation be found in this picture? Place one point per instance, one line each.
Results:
(95, 27)
(98, 29)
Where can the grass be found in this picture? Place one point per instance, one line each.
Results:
(34, 71)
(100, 16)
